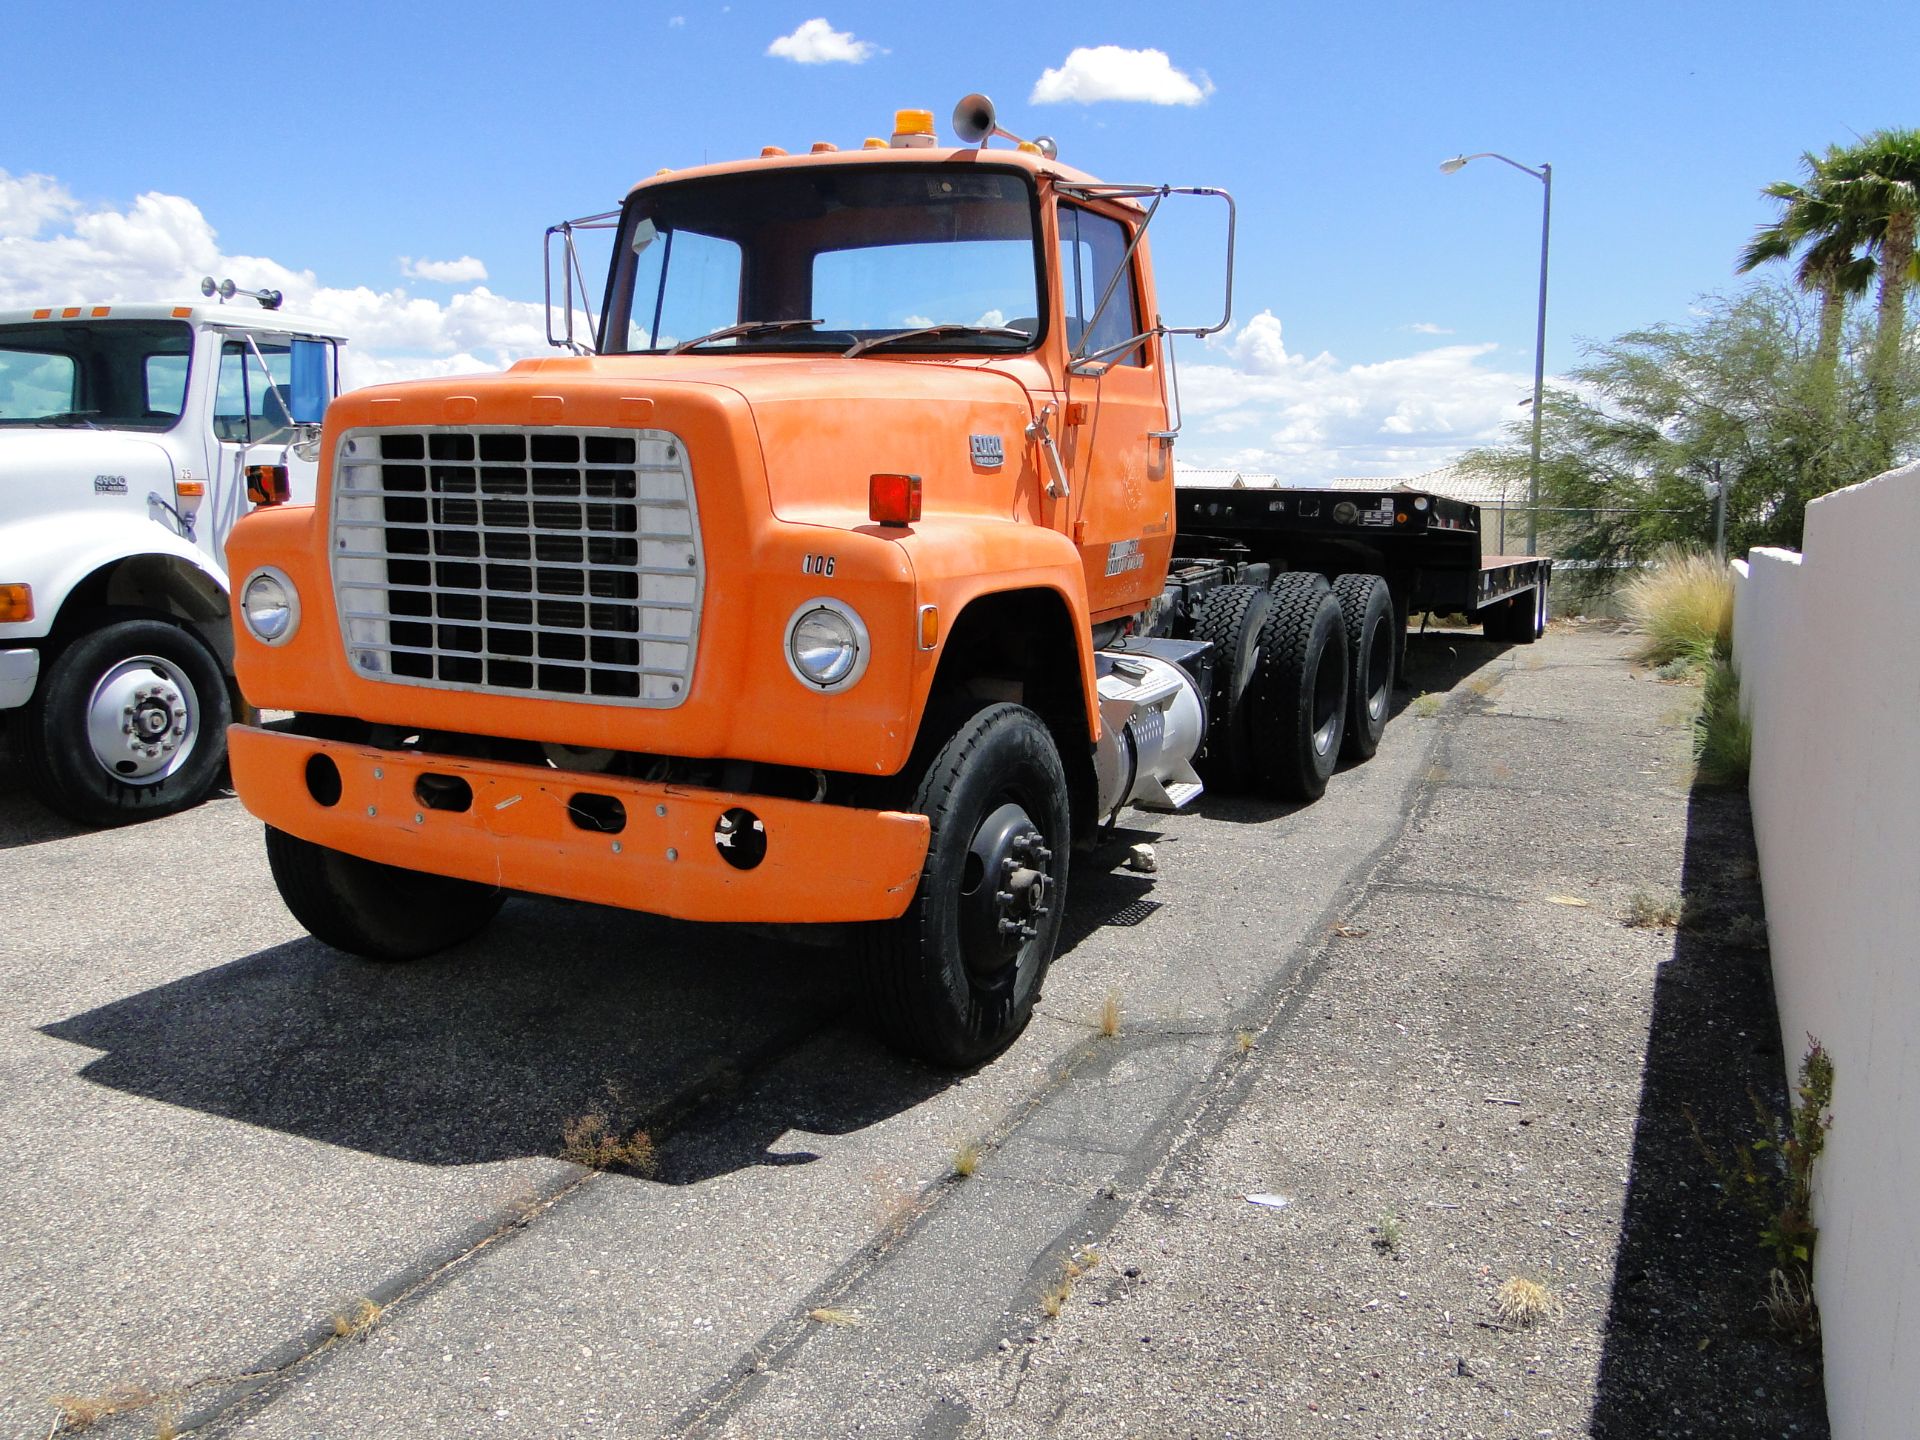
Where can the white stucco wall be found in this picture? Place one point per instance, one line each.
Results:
(1827, 643)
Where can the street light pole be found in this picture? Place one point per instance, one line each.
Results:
(1545, 176)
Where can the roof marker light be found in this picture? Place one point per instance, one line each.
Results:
(912, 129)
(768, 152)
(823, 147)
(873, 142)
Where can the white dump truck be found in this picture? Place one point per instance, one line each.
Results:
(129, 437)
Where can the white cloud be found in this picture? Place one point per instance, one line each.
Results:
(1427, 327)
(55, 251)
(816, 42)
(29, 203)
(1253, 405)
(464, 271)
(1108, 72)
(676, 22)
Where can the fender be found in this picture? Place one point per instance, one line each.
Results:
(56, 556)
(960, 560)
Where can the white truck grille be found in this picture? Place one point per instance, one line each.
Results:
(558, 563)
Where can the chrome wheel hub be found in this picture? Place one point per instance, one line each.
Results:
(143, 719)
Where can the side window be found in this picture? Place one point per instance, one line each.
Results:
(685, 284)
(166, 384)
(1092, 249)
(230, 395)
(245, 403)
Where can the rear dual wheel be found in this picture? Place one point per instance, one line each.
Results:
(1300, 690)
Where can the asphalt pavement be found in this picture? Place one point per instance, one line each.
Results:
(257, 1188)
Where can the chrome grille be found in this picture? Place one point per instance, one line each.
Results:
(558, 563)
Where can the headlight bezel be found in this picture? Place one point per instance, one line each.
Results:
(859, 640)
(272, 574)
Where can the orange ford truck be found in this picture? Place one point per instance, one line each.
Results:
(832, 584)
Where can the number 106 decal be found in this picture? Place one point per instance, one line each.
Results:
(816, 565)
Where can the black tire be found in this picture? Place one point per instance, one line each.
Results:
(1230, 618)
(1300, 694)
(1366, 613)
(1288, 581)
(1515, 620)
(128, 722)
(948, 981)
(372, 910)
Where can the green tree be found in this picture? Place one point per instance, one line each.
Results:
(1653, 420)
(1829, 239)
(1876, 185)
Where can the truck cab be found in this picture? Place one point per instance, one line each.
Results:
(813, 589)
(127, 432)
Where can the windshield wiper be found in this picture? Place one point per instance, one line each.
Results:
(925, 330)
(65, 419)
(745, 327)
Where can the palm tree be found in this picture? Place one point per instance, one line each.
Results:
(1877, 185)
(1828, 238)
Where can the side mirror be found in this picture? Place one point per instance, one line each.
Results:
(311, 386)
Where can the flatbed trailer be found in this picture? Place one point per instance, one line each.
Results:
(1426, 547)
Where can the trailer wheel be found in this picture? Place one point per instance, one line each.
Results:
(129, 722)
(379, 912)
(1231, 617)
(1300, 694)
(954, 980)
(1366, 613)
(1515, 620)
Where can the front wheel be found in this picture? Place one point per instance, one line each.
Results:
(376, 911)
(954, 980)
(128, 723)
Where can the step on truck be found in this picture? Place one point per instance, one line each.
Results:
(830, 582)
(127, 433)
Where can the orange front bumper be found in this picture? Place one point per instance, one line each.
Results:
(823, 862)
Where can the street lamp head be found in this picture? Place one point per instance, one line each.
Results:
(1447, 167)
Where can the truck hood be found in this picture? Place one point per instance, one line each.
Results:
(827, 424)
(44, 470)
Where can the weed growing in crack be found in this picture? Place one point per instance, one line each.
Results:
(1244, 1041)
(1107, 1022)
(588, 1140)
(1425, 705)
(1648, 911)
(966, 1159)
(78, 1412)
(1772, 1174)
(357, 1323)
(1789, 1306)
(1388, 1231)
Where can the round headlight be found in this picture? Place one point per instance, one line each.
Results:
(270, 606)
(826, 645)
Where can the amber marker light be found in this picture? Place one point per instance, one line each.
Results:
(929, 627)
(16, 604)
(893, 499)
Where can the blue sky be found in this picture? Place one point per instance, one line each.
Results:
(1386, 310)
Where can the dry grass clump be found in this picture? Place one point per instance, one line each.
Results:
(1524, 1302)
(1425, 705)
(831, 1315)
(78, 1412)
(1683, 608)
(1108, 1020)
(588, 1140)
(1790, 1307)
(1648, 911)
(966, 1159)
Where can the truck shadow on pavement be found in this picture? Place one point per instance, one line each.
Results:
(557, 1011)
(1688, 1350)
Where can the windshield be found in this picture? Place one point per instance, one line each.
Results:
(119, 374)
(863, 250)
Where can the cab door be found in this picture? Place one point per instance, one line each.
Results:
(1115, 411)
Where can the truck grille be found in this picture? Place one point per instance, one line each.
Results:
(564, 564)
